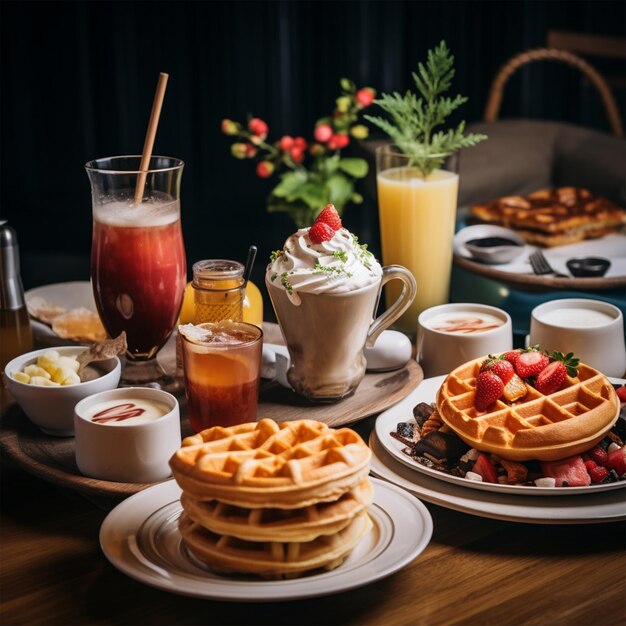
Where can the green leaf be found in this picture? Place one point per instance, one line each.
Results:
(331, 164)
(301, 214)
(347, 85)
(413, 119)
(289, 183)
(339, 189)
(355, 167)
(357, 198)
(312, 195)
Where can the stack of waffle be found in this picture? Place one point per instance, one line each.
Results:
(562, 424)
(554, 217)
(274, 500)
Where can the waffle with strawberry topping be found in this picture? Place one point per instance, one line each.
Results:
(544, 426)
(554, 217)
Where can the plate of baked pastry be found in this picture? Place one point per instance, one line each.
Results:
(64, 314)
(580, 234)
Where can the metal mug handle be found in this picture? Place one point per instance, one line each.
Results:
(406, 297)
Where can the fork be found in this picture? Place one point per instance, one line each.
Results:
(540, 265)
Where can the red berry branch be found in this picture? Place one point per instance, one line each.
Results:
(311, 173)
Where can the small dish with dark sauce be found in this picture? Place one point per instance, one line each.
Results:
(588, 266)
(493, 244)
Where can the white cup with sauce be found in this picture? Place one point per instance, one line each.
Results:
(127, 434)
(452, 334)
(593, 330)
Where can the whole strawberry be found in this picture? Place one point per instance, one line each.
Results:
(329, 216)
(501, 368)
(511, 356)
(554, 375)
(530, 363)
(489, 388)
(320, 231)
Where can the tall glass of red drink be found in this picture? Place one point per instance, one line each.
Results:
(138, 267)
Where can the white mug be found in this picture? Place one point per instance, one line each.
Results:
(593, 330)
(440, 350)
(127, 452)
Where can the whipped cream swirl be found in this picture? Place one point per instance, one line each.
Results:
(336, 266)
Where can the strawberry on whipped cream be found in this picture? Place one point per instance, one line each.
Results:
(336, 265)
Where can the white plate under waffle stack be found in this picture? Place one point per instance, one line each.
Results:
(140, 537)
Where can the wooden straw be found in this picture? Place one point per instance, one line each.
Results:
(150, 136)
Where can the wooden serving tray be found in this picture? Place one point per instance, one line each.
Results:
(532, 281)
(52, 458)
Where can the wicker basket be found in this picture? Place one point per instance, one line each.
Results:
(550, 54)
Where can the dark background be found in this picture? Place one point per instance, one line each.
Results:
(78, 80)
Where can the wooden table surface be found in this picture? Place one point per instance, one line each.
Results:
(474, 571)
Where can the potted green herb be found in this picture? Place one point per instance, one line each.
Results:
(417, 190)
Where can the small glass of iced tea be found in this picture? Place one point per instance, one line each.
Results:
(222, 364)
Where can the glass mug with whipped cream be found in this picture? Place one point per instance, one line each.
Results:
(325, 288)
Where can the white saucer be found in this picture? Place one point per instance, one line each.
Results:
(606, 506)
(388, 420)
(68, 295)
(140, 537)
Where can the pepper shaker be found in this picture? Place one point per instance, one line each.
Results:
(15, 331)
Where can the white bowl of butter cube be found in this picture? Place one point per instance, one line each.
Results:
(47, 386)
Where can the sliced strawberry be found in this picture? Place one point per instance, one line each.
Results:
(621, 393)
(599, 455)
(590, 464)
(598, 473)
(485, 468)
(551, 378)
(488, 389)
(515, 389)
(320, 231)
(329, 216)
(617, 461)
(530, 363)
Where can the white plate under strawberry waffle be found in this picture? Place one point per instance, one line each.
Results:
(387, 423)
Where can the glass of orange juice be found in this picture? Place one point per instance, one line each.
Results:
(222, 369)
(417, 218)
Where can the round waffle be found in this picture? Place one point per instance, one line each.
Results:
(304, 524)
(271, 559)
(567, 422)
(268, 465)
